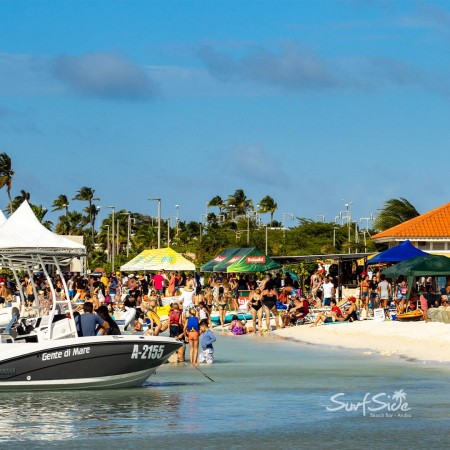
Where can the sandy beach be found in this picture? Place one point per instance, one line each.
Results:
(417, 340)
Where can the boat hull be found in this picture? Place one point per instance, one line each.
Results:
(83, 363)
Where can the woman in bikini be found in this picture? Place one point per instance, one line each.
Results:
(222, 304)
(209, 299)
(269, 299)
(255, 306)
(364, 297)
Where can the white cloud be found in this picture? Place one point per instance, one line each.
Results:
(103, 75)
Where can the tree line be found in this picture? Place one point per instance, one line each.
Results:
(235, 223)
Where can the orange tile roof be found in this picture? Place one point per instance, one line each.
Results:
(434, 223)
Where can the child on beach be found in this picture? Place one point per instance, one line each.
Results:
(191, 330)
(207, 354)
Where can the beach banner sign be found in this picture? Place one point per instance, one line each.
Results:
(378, 315)
(255, 259)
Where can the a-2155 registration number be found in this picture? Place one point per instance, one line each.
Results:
(147, 351)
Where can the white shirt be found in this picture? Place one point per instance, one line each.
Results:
(328, 289)
(187, 298)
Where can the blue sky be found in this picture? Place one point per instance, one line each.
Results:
(316, 103)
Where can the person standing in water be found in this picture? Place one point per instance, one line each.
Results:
(269, 299)
(191, 332)
(255, 306)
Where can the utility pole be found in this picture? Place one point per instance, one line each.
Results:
(159, 219)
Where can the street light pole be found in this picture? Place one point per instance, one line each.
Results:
(112, 235)
(118, 238)
(176, 206)
(349, 222)
(248, 228)
(168, 232)
(128, 230)
(112, 238)
(159, 219)
(107, 244)
(334, 236)
(267, 235)
(291, 216)
(232, 211)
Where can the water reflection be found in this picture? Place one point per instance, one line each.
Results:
(66, 415)
(263, 393)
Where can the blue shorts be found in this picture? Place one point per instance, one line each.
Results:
(326, 301)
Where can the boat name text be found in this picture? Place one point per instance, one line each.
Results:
(77, 351)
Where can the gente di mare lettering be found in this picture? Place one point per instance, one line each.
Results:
(66, 353)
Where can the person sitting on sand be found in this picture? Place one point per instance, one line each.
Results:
(332, 316)
(237, 327)
(297, 312)
(350, 311)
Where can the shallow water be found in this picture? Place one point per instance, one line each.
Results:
(267, 393)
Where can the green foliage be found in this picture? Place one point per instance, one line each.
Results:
(394, 212)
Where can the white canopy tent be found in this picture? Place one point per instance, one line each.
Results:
(23, 231)
(25, 244)
(2, 218)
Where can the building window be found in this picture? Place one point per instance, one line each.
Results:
(424, 245)
(438, 245)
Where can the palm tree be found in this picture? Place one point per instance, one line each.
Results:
(61, 204)
(217, 201)
(92, 213)
(19, 199)
(40, 212)
(394, 212)
(86, 194)
(268, 205)
(6, 174)
(238, 203)
(71, 224)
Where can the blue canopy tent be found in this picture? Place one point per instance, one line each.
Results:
(401, 252)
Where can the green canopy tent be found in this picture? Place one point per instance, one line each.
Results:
(225, 254)
(236, 256)
(253, 261)
(420, 266)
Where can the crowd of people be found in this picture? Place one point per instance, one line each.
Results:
(101, 299)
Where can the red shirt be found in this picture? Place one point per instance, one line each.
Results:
(337, 310)
(158, 281)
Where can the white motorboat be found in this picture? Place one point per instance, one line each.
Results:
(44, 352)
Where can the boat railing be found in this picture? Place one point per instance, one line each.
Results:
(6, 338)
